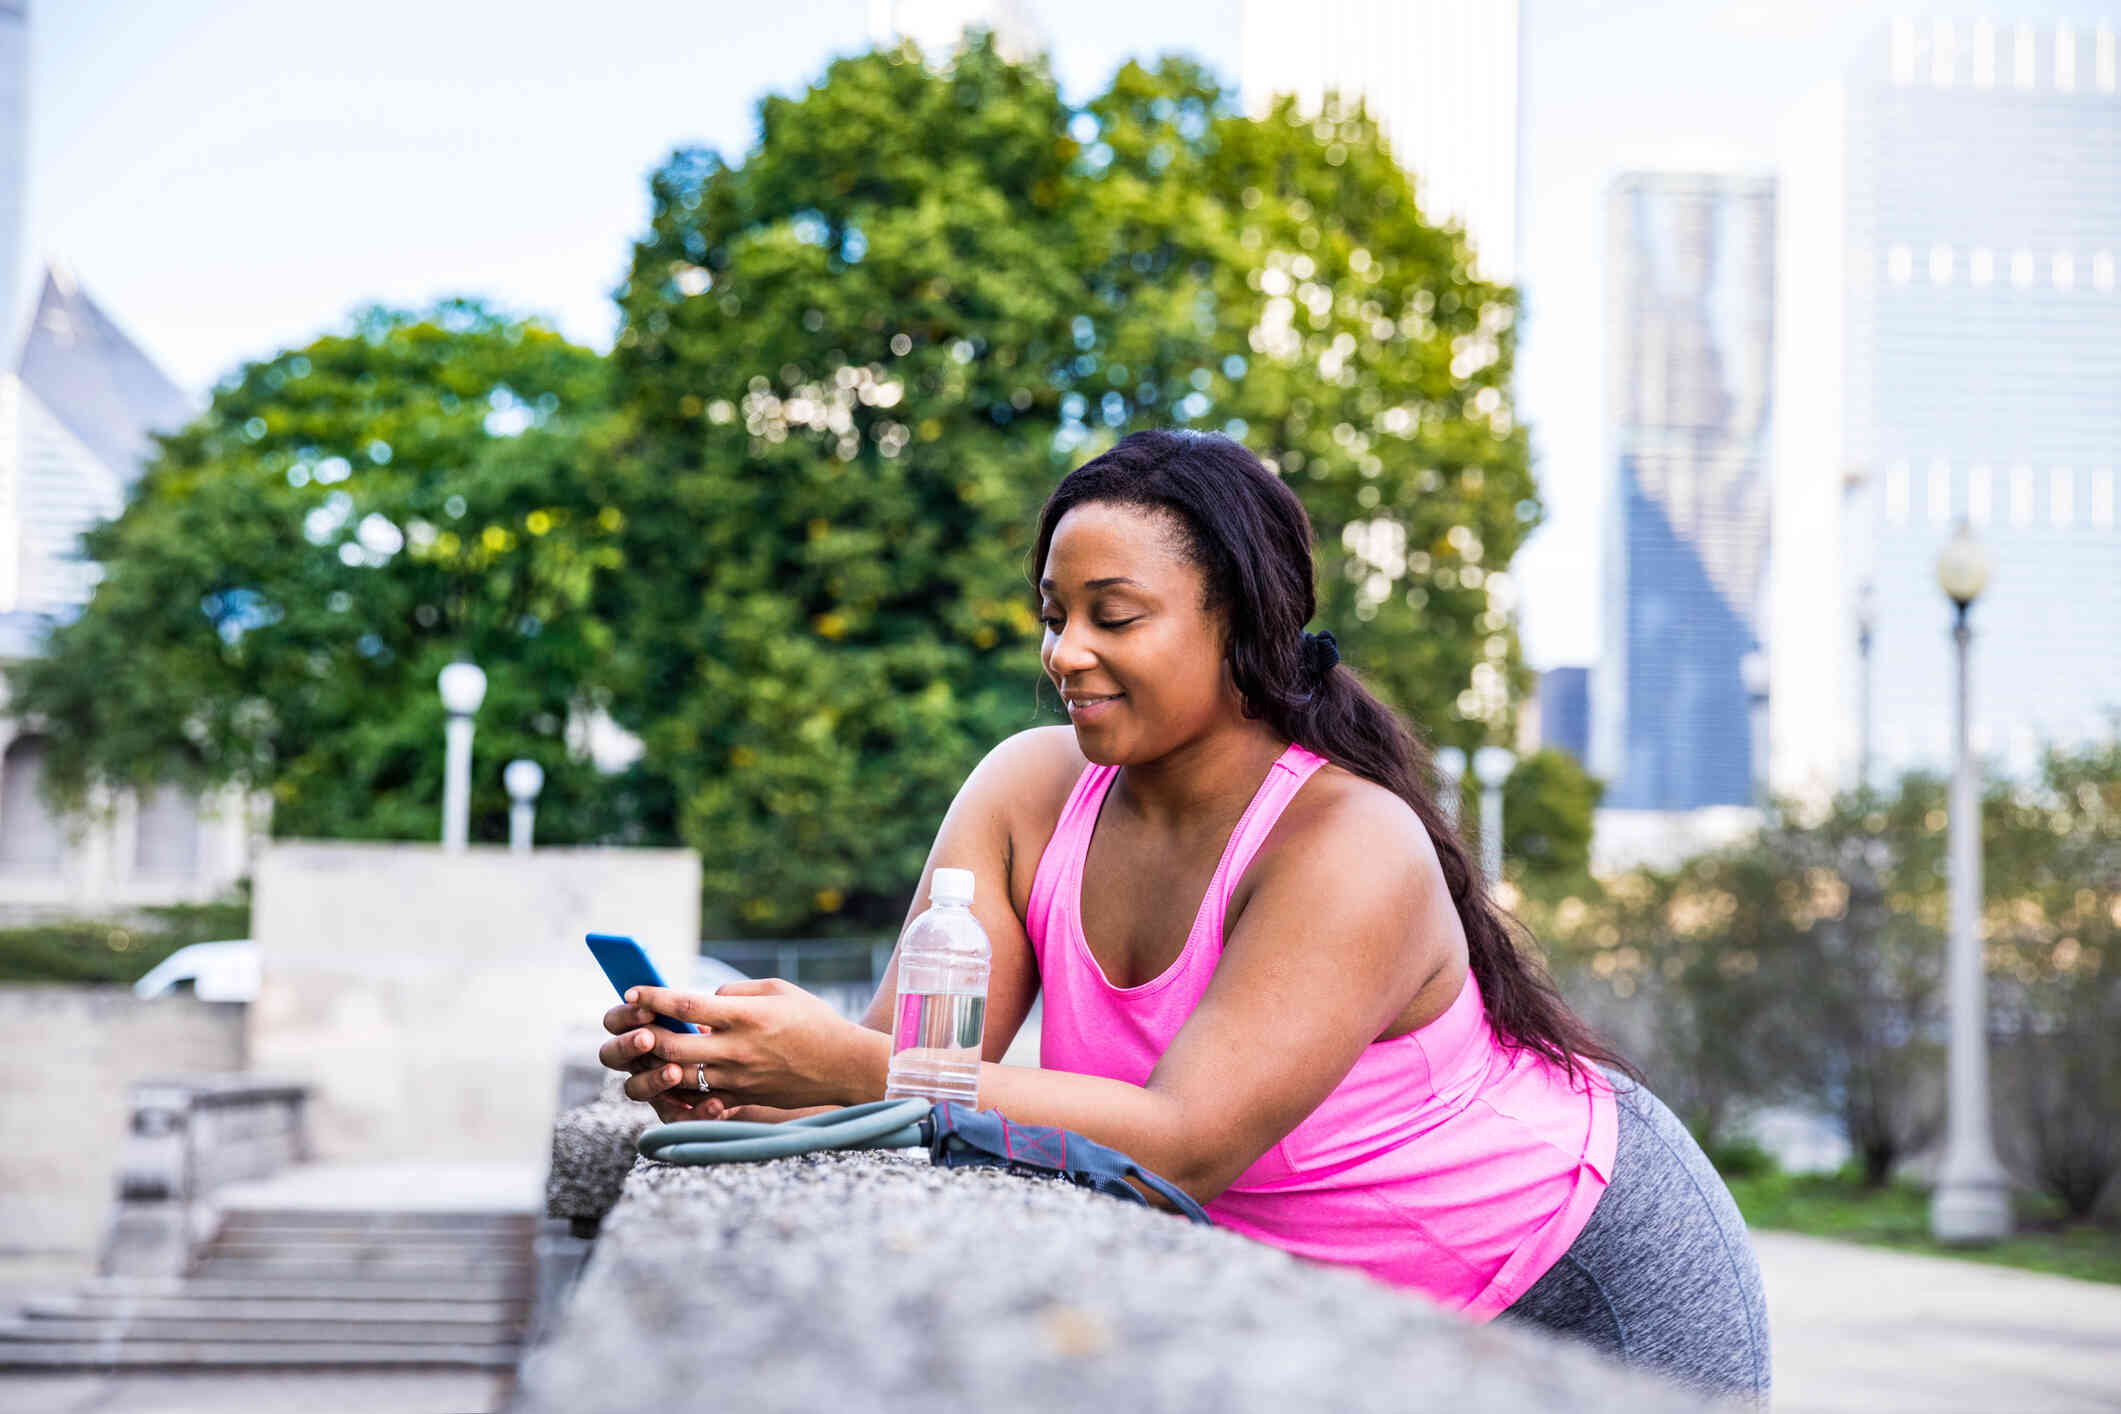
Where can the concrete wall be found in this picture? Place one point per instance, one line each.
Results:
(68, 1053)
(429, 998)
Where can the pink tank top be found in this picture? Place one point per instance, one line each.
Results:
(1444, 1161)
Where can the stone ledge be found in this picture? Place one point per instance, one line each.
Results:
(877, 1281)
(592, 1153)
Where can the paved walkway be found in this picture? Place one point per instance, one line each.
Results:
(1863, 1328)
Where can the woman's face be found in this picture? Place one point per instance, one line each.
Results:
(1138, 661)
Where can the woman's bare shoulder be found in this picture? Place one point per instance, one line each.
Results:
(1027, 777)
(1339, 813)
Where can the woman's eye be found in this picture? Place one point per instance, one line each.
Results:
(1053, 622)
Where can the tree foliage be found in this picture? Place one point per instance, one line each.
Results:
(297, 565)
(1807, 965)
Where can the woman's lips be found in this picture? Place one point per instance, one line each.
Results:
(1082, 710)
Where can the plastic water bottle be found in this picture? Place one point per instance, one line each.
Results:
(942, 997)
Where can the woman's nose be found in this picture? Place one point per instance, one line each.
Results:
(1066, 651)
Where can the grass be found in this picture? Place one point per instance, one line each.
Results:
(116, 952)
(1837, 1205)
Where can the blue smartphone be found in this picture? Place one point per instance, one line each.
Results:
(627, 965)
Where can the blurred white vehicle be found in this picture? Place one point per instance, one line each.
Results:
(218, 972)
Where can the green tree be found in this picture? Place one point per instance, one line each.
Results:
(1546, 815)
(1807, 964)
(855, 362)
(297, 565)
(2053, 932)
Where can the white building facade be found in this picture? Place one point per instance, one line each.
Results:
(1950, 332)
(1441, 78)
(76, 407)
(78, 403)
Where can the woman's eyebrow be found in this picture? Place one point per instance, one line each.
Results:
(1047, 586)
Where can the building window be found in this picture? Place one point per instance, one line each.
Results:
(2065, 57)
(2022, 268)
(1899, 264)
(2103, 271)
(2103, 498)
(1944, 53)
(1978, 495)
(1984, 54)
(2065, 270)
(1897, 477)
(2103, 57)
(1940, 265)
(1981, 265)
(166, 834)
(2062, 496)
(32, 841)
(1903, 51)
(1940, 492)
(2022, 56)
(2021, 495)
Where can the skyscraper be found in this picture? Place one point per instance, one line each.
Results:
(1689, 329)
(80, 405)
(1952, 349)
(1440, 76)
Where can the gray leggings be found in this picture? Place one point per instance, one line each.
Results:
(1662, 1275)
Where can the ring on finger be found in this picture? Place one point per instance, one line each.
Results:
(700, 1076)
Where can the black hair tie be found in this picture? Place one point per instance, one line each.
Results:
(1320, 654)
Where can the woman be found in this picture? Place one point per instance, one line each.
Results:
(1271, 972)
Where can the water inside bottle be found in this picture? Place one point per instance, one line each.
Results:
(935, 1048)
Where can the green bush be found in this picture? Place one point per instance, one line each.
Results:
(120, 951)
(1741, 1158)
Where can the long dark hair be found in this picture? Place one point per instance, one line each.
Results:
(1251, 539)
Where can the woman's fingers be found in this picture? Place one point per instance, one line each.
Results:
(647, 1084)
(708, 1012)
(621, 1051)
(624, 1018)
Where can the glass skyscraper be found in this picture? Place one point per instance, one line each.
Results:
(1953, 219)
(1689, 317)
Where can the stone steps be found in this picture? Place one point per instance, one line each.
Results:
(293, 1287)
(320, 1270)
(248, 1329)
(226, 1308)
(313, 1222)
(170, 1355)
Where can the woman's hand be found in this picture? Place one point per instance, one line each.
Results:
(763, 1046)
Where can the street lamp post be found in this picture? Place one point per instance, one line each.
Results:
(1753, 668)
(1491, 767)
(1451, 764)
(1972, 1200)
(523, 779)
(463, 688)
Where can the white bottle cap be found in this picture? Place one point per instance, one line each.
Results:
(951, 886)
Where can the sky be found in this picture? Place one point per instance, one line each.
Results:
(230, 177)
